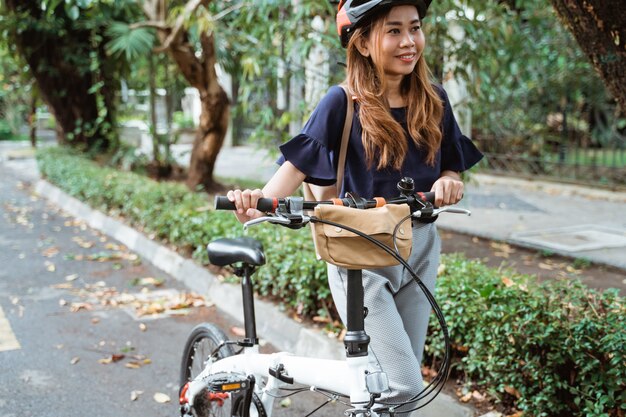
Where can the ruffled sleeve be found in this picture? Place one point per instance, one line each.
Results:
(458, 152)
(313, 150)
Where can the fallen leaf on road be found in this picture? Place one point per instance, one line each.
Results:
(161, 398)
(133, 365)
(82, 242)
(113, 246)
(143, 327)
(71, 277)
(135, 394)
(75, 307)
(50, 266)
(95, 320)
(116, 357)
(75, 360)
(285, 403)
(62, 302)
(50, 252)
(157, 282)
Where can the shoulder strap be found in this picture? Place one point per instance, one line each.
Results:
(345, 138)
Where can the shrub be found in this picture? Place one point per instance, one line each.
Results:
(551, 349)
(555, 347)
(186, 220)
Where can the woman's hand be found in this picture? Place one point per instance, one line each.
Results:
(448, 189)
(246, 201)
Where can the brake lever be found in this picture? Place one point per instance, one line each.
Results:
(270, 219)
(437, 211)
(454, 210)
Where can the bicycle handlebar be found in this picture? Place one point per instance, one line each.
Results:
(269, 205)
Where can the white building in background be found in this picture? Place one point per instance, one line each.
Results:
(317, 67)
(455, 86)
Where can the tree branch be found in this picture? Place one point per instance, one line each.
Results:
(151, 24)
(190, 7)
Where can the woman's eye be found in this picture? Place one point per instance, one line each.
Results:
(416, 28)
(394, 31)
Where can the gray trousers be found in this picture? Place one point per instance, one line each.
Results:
(398, 314)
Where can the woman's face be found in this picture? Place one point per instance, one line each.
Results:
(397, 43)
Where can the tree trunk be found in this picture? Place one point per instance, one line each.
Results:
(32, 118)
(199, 71)
(64, 85)
(156, 150)
(209, 140)
(599, 27)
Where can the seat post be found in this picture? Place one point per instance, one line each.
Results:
(248, 304)
(356, 340)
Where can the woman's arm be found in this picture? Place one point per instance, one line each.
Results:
(448, 188)
(283, 183)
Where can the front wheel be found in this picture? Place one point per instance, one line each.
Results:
(201, 343)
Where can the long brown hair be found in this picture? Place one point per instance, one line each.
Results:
(382, 134)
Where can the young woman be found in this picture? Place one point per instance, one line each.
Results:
(403, 126)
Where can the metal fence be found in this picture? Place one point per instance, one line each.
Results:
(573, 160)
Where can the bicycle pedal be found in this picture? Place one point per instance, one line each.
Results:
(227, 382)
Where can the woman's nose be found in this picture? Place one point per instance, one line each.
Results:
(408, 40)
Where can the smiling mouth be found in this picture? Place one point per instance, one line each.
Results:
(407, 57)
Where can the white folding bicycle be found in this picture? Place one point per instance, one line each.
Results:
(217, 380)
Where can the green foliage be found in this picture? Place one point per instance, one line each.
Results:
(16, 89)
(5, 130)
(184, 219)
(182, 121)
(63, 44)
(520, 64)
(558, 344)
(266, 49)
(128, 42)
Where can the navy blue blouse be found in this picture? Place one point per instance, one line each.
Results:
(315, 151)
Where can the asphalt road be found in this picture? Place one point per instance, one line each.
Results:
(71, 301)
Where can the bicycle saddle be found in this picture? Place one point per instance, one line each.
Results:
(225, 251)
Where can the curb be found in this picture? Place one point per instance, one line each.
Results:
(615, 196)
(280, 331)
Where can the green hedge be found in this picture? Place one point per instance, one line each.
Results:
(170, 212)
(558, 346)
(552, 349)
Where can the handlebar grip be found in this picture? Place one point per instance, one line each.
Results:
(264, 204)
(428, 196)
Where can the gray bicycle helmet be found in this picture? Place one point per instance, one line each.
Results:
(354, 13)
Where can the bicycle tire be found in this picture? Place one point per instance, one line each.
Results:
(202, 341)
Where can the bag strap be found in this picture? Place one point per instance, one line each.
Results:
(345, 138)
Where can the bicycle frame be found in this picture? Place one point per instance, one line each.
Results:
(346, 377)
